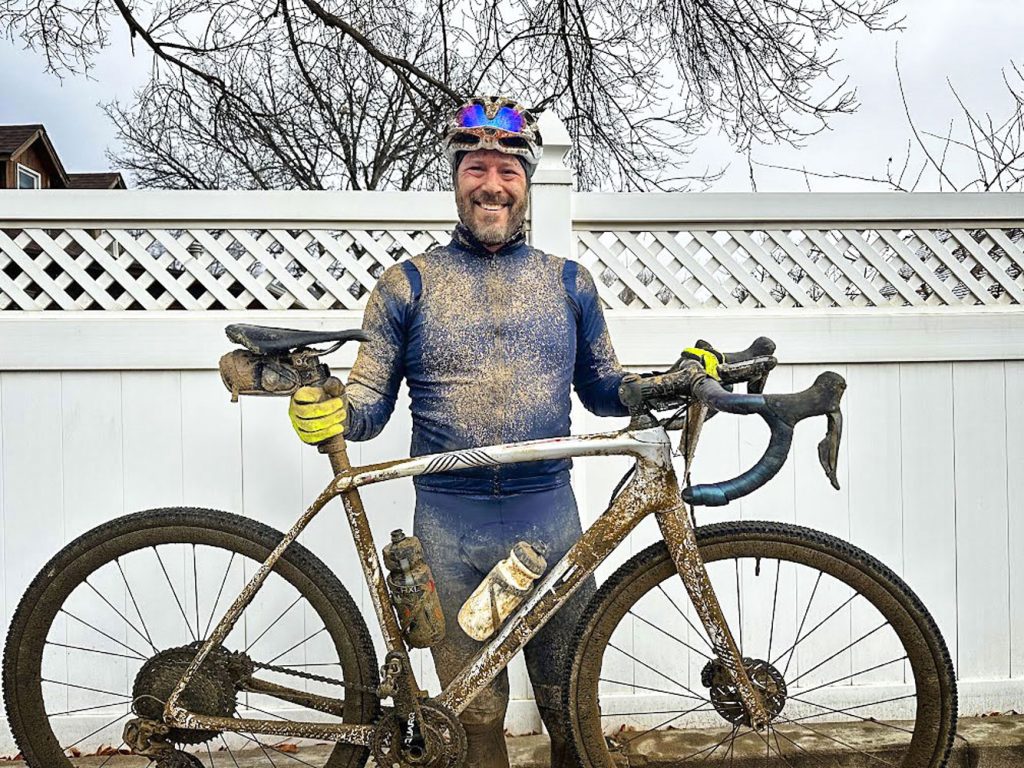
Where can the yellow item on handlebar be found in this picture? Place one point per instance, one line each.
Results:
(705, 358)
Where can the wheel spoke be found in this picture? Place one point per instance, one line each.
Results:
(264, 747)
(95, 650)
(220, 591)
(126, 620)
(231, 753)
(281, 616)
(800, 629)
(814, 757)
(739, 604)
(122, 702)
(655, 690)
(658, 712)
(135, 603)
(81, 687)
(848, 712)
(658, 672)
(839, 742)
(853, 674)
(174, 592)
(668, 634)
(304, 640)
(686, 618)
(195, 584)
(90, 735)
(662, 724)
(101, 632)
(114, 753)
(841, 650)
(791, 650)
(775, 601)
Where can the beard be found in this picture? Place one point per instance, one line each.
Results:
(485, 228)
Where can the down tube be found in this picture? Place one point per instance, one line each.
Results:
(653, 488)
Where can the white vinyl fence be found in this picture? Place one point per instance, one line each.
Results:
(116, 302)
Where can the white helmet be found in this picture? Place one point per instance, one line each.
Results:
(494, 122)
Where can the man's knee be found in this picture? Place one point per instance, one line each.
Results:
(486, 709)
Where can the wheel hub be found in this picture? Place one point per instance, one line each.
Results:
(766, 679)
(211, 691)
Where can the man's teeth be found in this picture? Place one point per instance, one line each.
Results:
(490, 206)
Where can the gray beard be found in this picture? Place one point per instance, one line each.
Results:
(491, 234)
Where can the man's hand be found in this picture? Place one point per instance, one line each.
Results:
(708, 358)
(315, 420)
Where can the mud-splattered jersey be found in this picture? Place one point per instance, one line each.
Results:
(489, 345)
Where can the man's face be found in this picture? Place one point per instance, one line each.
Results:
(490, 191)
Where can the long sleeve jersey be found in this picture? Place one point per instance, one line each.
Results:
(489, 344)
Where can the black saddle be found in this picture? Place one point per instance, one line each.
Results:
(264, 340)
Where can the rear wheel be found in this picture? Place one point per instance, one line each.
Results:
(109, 625)
(848, 661)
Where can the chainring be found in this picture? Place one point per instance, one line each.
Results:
(211, 691)
(444, 740)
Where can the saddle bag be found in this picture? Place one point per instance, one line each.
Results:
(246, 373)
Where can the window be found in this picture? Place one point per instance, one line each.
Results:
(28, 179)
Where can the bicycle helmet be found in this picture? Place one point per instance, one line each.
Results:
(494, 122)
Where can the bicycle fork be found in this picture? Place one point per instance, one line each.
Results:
(681, 538)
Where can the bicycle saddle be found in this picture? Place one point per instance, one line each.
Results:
(266, 340)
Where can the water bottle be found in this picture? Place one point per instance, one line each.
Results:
(412, 591)
(501, 591)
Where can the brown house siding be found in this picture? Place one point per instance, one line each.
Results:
(32, 158)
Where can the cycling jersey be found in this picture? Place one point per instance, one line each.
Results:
(489, 344)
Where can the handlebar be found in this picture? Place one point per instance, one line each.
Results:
(781, 412)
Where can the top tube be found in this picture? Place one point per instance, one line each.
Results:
(651, 443)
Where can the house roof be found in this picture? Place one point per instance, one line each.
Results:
(14, 138)
(111, 180)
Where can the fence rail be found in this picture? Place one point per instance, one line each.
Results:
(155, 251)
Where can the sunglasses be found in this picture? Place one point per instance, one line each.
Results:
(506, 118)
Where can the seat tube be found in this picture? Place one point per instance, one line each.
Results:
(677, 529)
(337, 451)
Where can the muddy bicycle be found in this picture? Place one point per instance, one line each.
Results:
(200, 637)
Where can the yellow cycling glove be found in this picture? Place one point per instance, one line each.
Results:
(315, 420)
(708, 359)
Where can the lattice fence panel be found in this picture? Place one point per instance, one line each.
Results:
(234, 268)
(198, 269)
(807, 267)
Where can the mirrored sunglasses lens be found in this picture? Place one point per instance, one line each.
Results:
(506, 118)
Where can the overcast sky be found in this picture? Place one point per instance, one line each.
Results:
(968, 40)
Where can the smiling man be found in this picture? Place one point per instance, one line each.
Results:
(490, 335)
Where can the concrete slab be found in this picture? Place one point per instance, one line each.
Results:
(981, 742)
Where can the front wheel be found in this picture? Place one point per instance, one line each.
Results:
(109, 625)
(850, 664)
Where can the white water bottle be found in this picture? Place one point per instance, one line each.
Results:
(501, 591)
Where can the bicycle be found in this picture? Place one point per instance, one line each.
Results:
(217, 687)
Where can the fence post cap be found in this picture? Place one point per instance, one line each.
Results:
(552, 168)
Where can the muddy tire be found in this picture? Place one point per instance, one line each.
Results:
(75, 626)
(641, 679)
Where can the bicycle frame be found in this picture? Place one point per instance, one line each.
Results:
(653, 490)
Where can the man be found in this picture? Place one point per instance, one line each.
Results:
(489, 334)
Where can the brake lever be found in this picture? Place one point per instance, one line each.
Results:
(828, 448)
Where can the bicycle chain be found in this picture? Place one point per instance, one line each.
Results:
(315, 677)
